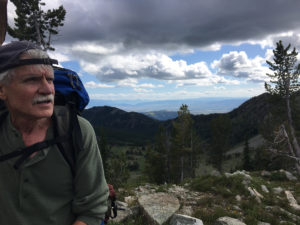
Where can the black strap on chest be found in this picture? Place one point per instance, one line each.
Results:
(26, 152)
(68, 138)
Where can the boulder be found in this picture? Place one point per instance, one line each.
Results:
(186, 210)
(292, 201)
(238, 198)
(178, 219)
(158, 207)
(242, 173)
(263, 223)
(130, 199)
(215, 173)
(264, 188)
(289, 175)
(277, 190)
(253, 192)
(228, 221)
(265, 173)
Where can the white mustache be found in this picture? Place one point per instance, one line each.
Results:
(43, 98)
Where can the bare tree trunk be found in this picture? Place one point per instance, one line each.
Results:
(192, 150)
(291, 148)
(168, 157)
(37, 29)
(292, 130)
(3, 20)
(182, 164)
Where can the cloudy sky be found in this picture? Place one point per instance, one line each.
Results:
(172, 49)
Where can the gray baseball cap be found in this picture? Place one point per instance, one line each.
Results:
(10, 53)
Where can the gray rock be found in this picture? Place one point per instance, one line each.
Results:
(255, 194)
(292, 201)
(264, 188)
(277, 190)
(263, 223)
(159, 207)
(130, 199)
(289, 175)
(238, 198)
(178, 219)
(265, 173)
(215, 173)
(186, 210)
(228, 221)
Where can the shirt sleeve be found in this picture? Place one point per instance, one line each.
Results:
(90, 187)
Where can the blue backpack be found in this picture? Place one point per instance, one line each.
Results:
(70, 100)
(69, 89)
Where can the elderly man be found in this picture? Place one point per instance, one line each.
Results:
(43, 191)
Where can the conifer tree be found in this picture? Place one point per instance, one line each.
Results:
(105, 150)
(246, 156)
(285, 80)
(221, 132)
(184, 146)
(157, 158)
(34, 24)
(3, 20)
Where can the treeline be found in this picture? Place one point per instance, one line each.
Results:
(175, 152)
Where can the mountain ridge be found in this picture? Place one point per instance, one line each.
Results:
(133, 125)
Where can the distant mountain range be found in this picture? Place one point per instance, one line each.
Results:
(162, 115)
(196, 106)
(136, 128)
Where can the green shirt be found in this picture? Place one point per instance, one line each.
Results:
(43, 191)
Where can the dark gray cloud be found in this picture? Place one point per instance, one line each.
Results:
(190, 22)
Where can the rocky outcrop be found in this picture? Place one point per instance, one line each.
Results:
(228, 221)
(178, 219)
(158, 207)
(292, 201)
(176, 205)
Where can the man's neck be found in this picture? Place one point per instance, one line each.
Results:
(32, 130)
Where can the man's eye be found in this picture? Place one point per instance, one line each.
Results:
(32, 79)
(50, 79)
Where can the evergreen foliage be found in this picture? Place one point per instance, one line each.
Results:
(285, 83)
(115, 165)
(174, 157)
(157, 158)
(221, 128)
(117, 170)
(105, 149)
(185, 147)
(36, 25)
(3, 20)
(285, 71)
(246, 156)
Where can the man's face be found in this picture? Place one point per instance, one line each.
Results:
(29, 92)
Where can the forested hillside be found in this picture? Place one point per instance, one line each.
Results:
(122, 127)
(136, 128)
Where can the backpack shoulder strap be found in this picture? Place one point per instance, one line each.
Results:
(3, 111)
(66, 122)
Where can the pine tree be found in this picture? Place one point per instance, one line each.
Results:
(157, 158)
(34, 24)
(246, 156)
(184, 146)
(221, 133)
(285, 80)
(3, 20)
(105, 150)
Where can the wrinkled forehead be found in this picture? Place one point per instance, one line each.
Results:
(36, 69)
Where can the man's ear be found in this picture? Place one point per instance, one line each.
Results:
(2, 92)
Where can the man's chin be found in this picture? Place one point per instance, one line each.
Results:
(44, 113)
